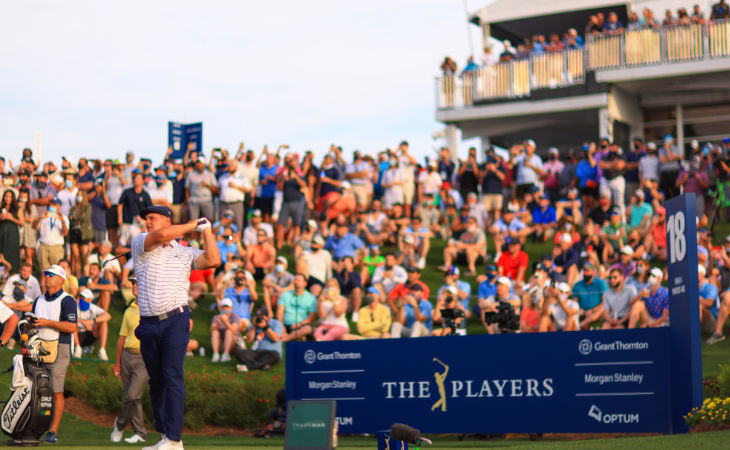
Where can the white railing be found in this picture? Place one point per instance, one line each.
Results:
(519, 78)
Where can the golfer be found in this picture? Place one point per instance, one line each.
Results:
(162, 267)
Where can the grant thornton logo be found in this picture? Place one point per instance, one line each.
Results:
(585, 346)
(310, 356)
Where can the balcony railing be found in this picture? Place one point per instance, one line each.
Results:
(519, 78)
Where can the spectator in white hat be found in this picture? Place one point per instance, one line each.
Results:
(224, 330)
(651, 308)
(92, 326)
(559, 312)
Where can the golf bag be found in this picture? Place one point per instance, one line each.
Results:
(28, 412)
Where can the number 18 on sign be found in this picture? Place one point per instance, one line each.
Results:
(684, 307)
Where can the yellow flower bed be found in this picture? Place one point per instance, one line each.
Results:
(715, 411)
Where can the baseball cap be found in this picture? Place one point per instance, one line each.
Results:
(201, 159)
(542, 267)
(563, 287)
(491, 268)
(318, 240)
(311, 223)
(377, 247)
(56, 270)
(417, 287)
(20, 282)
(87, 294)
(553, 151)
(157, 209)
(373, 290)
(226, 302)
(256, 213)
(588, 266)
(661, 211)
(409, 239)
(627, 250)
(56, 200)
(453, 270)
(639, 193)
(228, 214)
(668, 138)
(530, 142)
(282, 260)
(657, 272)
(504, 280)
(651, 146)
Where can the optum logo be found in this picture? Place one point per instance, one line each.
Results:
(596, 413)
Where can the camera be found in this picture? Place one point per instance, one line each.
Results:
(228, 237)
(504, 317)
(450, 315)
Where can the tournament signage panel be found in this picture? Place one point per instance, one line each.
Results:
(588, 381)
(179, 135)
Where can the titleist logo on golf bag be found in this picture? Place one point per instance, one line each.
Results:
(16, 405)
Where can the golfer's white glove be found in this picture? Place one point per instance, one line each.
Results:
(202, 225)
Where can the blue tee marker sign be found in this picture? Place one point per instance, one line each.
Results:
(684, 308)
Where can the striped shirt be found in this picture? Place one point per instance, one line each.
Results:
(162, 275)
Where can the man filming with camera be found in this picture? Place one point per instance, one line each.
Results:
(494, 303)
(450, 312)
(265, 340)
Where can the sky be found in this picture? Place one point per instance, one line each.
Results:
(99, 78)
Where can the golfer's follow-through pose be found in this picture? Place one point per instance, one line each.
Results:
(162, 267)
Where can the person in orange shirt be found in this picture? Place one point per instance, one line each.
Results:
(342, 203)
(655, 241)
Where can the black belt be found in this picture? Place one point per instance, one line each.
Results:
(163, 316)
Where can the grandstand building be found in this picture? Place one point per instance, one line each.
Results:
(637, 83)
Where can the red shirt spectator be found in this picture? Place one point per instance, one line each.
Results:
(513, 263)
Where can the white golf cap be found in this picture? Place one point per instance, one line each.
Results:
(56, 270)
(563, 287)
(282, 260)
(87, 294)
(657, 272)
(311, 223)
(318, 239)
(226, 302)
(553, 151)
(627, 250)
(504, 280)
(530, 142)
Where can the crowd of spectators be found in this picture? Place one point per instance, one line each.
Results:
(336, 251)
(598, 24)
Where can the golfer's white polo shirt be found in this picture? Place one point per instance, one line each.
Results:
(162, 275)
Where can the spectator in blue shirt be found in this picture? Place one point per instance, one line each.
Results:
(543, 220)
(242, 294)
(267, 183)
(589, 293)
(567, 259)
(613, 25)
(229, 243)
(343, 243)
(573, 41)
